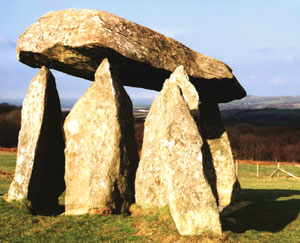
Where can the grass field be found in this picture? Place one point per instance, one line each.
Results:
(272, 215)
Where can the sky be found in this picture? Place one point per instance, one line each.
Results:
(258, 39)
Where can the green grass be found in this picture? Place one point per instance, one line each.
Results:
(18, 225)
(7, 165)
(8, 161)
(272, 216)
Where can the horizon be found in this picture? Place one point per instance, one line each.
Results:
(69, 102)
(138, 102)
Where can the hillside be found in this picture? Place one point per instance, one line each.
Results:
(263, 102)
(262, 117)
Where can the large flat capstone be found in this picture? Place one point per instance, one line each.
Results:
(75, 42)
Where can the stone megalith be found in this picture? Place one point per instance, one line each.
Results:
(219, 166)
(150, 182)
(101, 154)
(39, 175)
(76, 42)
(217, 156)
(170, 171)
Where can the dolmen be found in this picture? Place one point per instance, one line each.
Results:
(186, 161)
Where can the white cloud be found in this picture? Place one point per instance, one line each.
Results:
(6, 42)
(279, 80)
(265, 50)
(290, 58)
(170, 32)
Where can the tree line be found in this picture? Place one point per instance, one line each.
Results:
(249, 142)
(274, 143)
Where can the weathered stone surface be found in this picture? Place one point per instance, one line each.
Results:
(76, 42)
(101, 154)
(218, 160)
(150, 182)
(170, 171)
(39, 175)
(219, 164)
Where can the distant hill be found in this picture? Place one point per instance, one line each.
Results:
(262, 102)
(262, 117)
(250, 102)
(263, 111)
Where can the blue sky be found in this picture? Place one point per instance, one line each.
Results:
(258, 39)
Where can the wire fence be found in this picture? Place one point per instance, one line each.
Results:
(243, 169)
(267, 169)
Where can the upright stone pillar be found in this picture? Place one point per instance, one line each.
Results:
(101, 154)
(150, 182)
(171, 168)
(39, 174)
(219, 164)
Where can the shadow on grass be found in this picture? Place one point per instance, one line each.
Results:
(265, 213)
(47, 212)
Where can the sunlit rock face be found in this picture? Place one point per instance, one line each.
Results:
(171, 168)
(101, 154)
(39, 175)
(75, 42)
(150, 182)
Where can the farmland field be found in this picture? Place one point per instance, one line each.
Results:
(271, 216)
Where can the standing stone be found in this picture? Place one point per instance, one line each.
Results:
(219, 164)
(171, 163)
(218, 160)
(150, 182)
(101, 154)
(39, 175)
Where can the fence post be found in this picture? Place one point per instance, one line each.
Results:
(257, 169)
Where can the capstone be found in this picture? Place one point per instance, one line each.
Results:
(75, 42)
